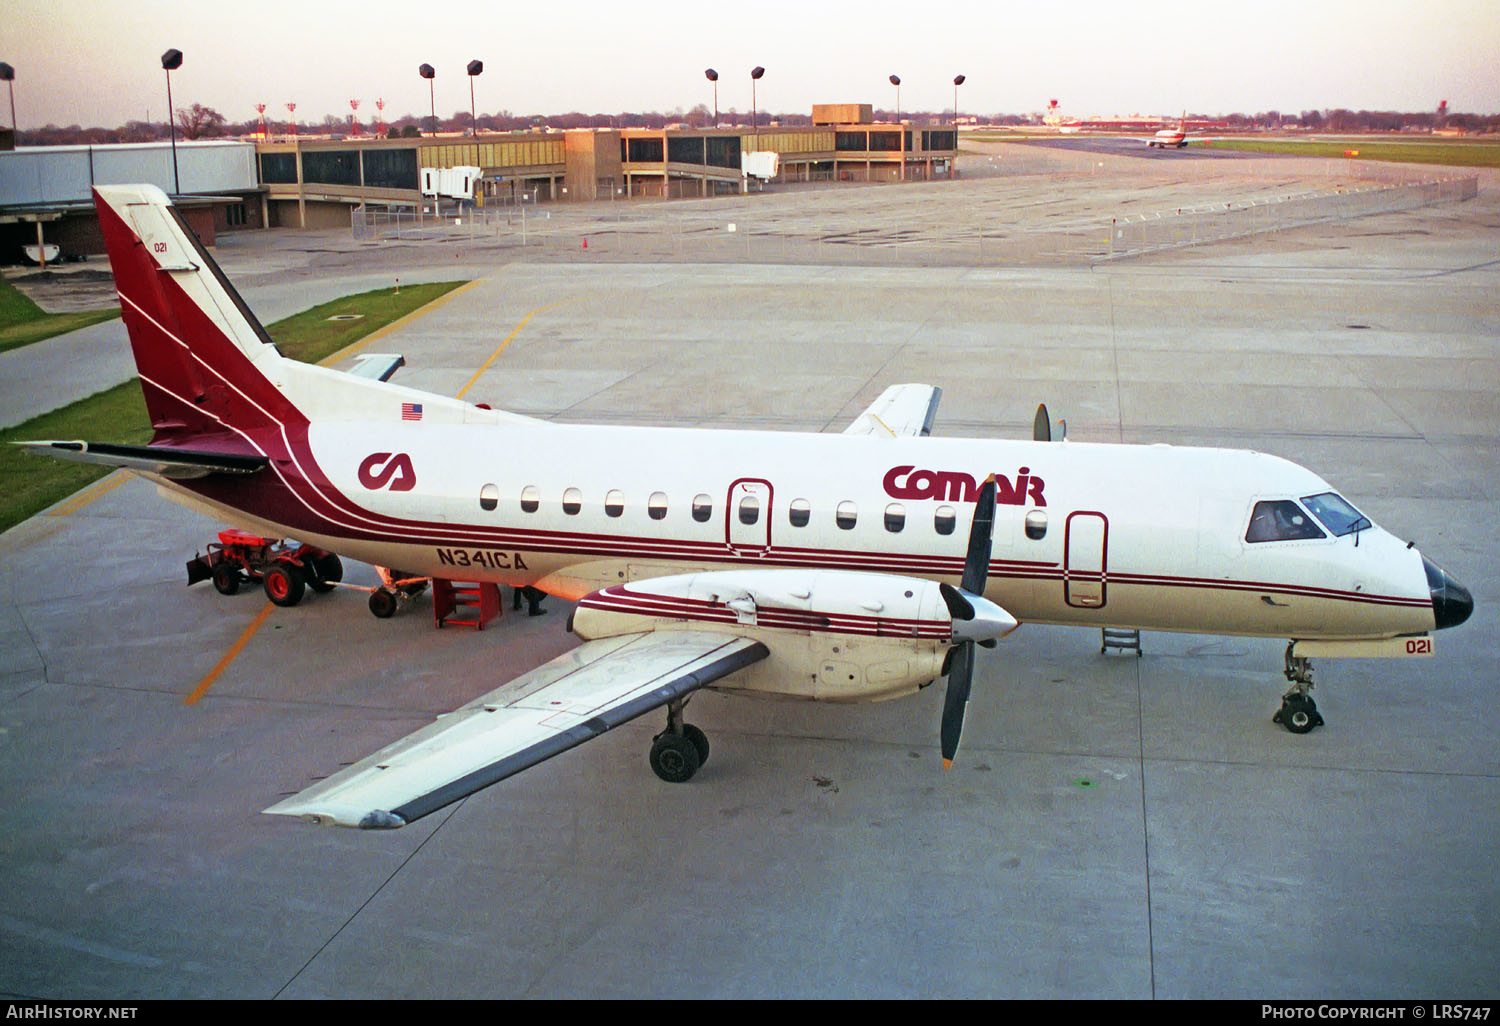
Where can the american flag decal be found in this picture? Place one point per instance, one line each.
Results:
(411, 411)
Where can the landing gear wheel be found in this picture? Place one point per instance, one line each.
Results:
(699, 740)
(1298, 714)
(674, 758)
(382, 603)
(284, 585)
(324, 572)
(226, 579)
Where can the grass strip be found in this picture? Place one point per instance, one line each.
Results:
(29, 484)
(22, 322)
(1455, 153)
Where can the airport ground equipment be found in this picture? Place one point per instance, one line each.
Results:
(283, 568)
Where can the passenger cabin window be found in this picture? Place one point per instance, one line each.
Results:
(530, 499)
(572, 501)
(749, 509)
(1281, 520)
(845, 514)
(656, 506)
(799, 512)
(614, 503)
(489, 497)
(703, 508)
(1335, 513)
(1036, 525)
(895, 517)
(944, 520)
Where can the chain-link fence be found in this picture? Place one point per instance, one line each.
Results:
(1131, 235)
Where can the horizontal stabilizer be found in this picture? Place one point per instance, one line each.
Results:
(377, 366)
(177, 464)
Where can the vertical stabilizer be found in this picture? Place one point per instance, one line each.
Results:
(202, 356)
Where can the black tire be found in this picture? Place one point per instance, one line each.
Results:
(674, 758)
(699, 740)
(383, 603)
(284, 584)
(226, 579)
(1299, 715)
(324, 572)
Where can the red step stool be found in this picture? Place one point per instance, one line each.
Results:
(464, 604)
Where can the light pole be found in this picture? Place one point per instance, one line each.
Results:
(427, 72)
(475, 69)
(8, 76)
(755, 74)
(260, 109)
(170, 62)
(713, 76)
(353, 118)
(958, 80)
(291, 120)
(900, 136)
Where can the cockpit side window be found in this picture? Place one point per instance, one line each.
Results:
(1280, 520)
(1335, 513)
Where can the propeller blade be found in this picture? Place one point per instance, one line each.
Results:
(977, 560)
(1041, 428)
(960, 678)
(959, 607)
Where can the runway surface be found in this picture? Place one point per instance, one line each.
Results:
(1115, 827)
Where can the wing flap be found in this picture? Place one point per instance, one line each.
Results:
(559, 705)
(178, 464)
(901, 411)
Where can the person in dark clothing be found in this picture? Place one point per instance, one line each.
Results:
(534, 598)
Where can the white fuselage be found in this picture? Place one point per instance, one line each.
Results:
(1141, 536)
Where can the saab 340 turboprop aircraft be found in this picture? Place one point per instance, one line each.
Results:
(851, 567)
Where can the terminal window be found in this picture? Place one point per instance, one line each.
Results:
(278, 168)
(643, 151)
(331, 167)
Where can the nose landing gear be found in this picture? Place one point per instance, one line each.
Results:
(1298, 712)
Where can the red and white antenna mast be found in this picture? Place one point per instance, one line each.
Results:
(380, 118)
(260, 108)
(354, 117)
(291, 122)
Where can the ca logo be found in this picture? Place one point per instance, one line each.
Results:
(381, 468)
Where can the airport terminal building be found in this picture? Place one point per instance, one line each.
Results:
(317, 183)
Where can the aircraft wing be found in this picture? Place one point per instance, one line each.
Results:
(901, 411)
(177, 464)
(572, 699)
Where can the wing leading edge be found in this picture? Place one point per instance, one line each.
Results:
(559, 705)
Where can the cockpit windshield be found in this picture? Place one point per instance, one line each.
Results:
(1280, 520)
(1335, 513)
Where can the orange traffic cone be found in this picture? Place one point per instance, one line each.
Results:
(585, 242)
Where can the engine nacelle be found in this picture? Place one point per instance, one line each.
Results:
(834, 635)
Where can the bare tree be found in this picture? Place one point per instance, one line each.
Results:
(197, 121)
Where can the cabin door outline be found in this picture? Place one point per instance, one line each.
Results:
(1086, 560)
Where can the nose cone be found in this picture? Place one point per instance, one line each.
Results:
(1451, 601)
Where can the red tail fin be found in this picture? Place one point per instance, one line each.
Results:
(201, 354)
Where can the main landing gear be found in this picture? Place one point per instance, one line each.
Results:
(1298, 712)
(679, 751)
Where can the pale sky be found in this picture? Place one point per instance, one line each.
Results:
(98, 62)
